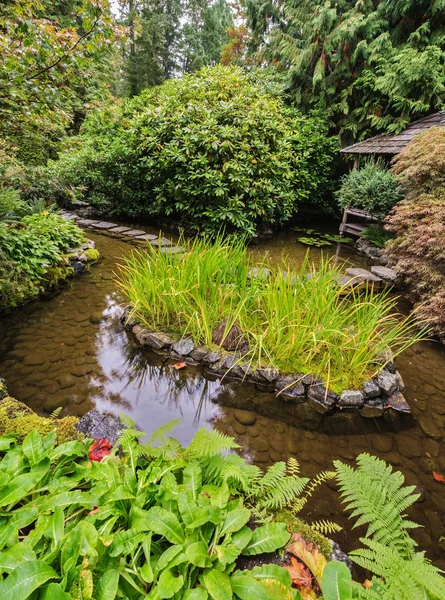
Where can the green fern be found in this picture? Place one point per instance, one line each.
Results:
(207, 443)
(377, 498)
(326, 527)
(56, 412)
(397, 578)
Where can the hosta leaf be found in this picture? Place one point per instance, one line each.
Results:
(164, 522)
(125, 542)
(247, 587)
(19, 487)
(267, 538)
(54, 591)
(193, 479)
(235, 520)
(197, 554)
(107, 585)
(29, 576)
(33, 448)
(168, 584)
(272, 572)
(336, 581)
(217, 584)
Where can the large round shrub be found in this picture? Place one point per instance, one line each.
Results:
(213, 149)
(373, 188)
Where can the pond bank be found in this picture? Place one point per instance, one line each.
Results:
(87, 360)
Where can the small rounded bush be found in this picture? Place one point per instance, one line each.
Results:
(214, 150)
(372, 188)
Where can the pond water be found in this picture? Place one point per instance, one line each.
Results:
(71, 351)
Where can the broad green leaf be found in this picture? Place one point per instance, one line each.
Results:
(166, 557)
(227, 554)
(56, 525)
(267, 538)
(164, 522)
(16, 555)
(188, 508)
(28, 577)
(235, 520)
(88, 538)
(71, 449)
(124, 542)
(247, 587)
(54, 591)
(168, 585)
(106, 588)
(272, 572)
(6, 442)
(336, 581)
(33, 448)
(193, 479)
(196, 594)
(217, 584)
(241, 538)
(197, 554)
(5, 478)
(19, 487)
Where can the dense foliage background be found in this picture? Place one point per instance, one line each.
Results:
(214, 150)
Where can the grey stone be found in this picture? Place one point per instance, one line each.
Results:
(363, 275)
(148, 237)
(153, 339)
(385, 273)
(402, 386)
(258, 273)
(371, 389)
(119, 229)
(321, 399)
(387, 382)
(347, 281)
(212, 358)
(100, 425)
(161, 242)
(338, 554)
(199, 354)
(134, 232)
(83, 258)
(397, 402)
(289, 387)
(172, 250)
(351, 398)
(269, 375)
(183, 347)
(373, 407)
(102, 225)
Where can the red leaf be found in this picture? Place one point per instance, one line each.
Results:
(438, 477)
(179, 365)
(99, 449)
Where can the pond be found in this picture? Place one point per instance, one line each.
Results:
(71, 351)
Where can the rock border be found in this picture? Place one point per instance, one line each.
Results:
(379, 394)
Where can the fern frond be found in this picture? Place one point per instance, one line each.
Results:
(160, 435)
(293, 467)
(276, 490)
(207, 443)
(56, 412)
(377, 499)
(326, 527)
(127, 421)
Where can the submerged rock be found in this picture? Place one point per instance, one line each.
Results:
(100, 425)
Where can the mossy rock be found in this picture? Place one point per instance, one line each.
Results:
(18, 419)
(92, 255)
(296, 525)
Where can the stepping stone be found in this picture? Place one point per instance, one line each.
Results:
(260, 273)
(134, 232)
(363, 275)
(161, 242)
(172, 249)
(384, 273)
(87, 222)
(103, 225)
(119, 229)
(147, 236)
(347, 280)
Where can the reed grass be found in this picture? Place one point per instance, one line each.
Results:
(298, 322)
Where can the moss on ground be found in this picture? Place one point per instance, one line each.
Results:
(92, 255)
(18, 419)
(296, 525)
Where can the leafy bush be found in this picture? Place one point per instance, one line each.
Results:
(31, 254)
(377, 235)
(290, 321)
(214, 149)
(418, 250)
(372, 188)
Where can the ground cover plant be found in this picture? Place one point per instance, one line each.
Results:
(31, 252)
(155, 520)
(212, 150)
(418, 250)
(296, 322)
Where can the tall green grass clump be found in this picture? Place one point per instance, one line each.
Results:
(293, 321)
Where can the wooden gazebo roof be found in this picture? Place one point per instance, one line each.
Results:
(393, 144)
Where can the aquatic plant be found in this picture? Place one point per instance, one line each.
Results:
(295, 321)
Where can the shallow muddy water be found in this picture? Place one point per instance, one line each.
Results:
(70, 350)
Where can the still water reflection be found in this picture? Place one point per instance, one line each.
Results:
(71, 351)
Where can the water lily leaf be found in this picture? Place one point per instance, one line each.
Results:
(26, 578)
(267, 538)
